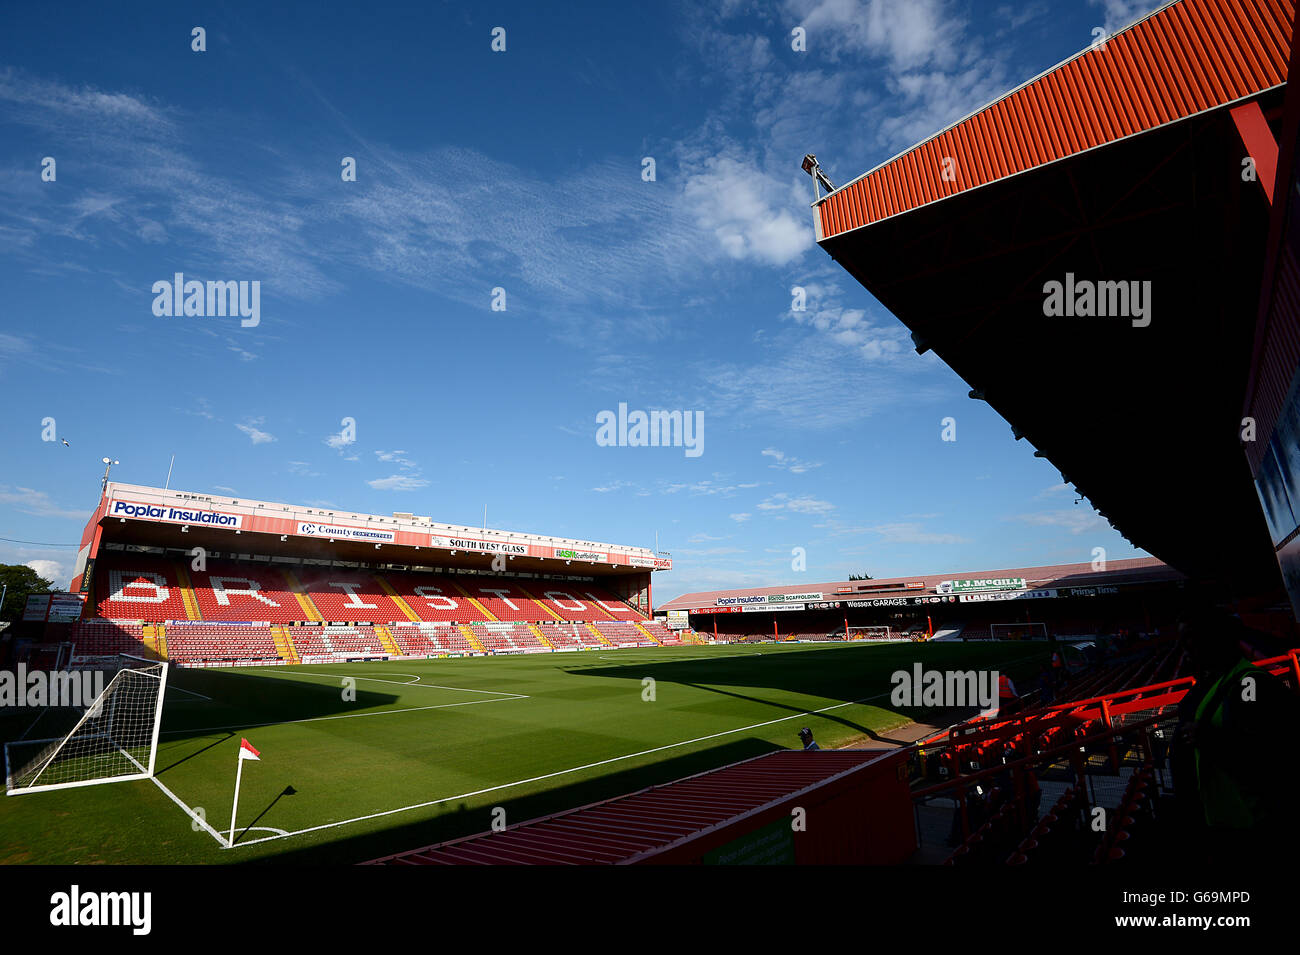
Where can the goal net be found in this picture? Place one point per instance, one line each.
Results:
(99, 724)
(1018, 631)
(871, 633)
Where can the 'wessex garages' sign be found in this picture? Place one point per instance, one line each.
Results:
(175, 515)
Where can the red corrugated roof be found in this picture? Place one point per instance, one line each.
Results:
(1186, 58)
(622, 829)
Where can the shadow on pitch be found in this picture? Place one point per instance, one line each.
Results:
(463, 819)
(286, 791)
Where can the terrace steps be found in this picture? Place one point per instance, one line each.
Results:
(470, 638)
(650, 636)
(402, 605)
(308, 608)
(187, 594)
(284, 644)
(386, 640)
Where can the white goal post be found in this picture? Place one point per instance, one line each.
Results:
(871, 633)
(1018, 631)
(115, 717)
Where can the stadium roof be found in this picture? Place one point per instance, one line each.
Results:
(1138, 570)
(1123, 164)
(150, 516)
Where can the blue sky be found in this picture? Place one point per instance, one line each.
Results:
(519, 170)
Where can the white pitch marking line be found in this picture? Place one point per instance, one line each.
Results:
(221, 840)
(417, 682)
(181, 689)
(346, 716)
(562, 772)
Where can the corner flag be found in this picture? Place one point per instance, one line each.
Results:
(246, 751)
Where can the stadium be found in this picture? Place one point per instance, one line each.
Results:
(290, 682)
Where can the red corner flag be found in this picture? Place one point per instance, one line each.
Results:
(246, 751)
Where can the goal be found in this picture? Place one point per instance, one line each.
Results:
(870, 633)
(1018, 631)
(111, 710)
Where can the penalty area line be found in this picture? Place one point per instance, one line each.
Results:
(417, 683)
(345, 716)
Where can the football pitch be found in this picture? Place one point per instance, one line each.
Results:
(359, 760)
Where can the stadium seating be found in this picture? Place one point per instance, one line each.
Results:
(1105, 735)
(196, 643)
(581, 602)
(227, 590)
(104, 637)
(506, 637)
(336, 641)
(344, 595)
(569, 636)
(621, 633)
(420, 610)
(137, 587)
(429, 639)
(659, 632)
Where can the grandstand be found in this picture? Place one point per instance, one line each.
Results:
(222, 581)
(1078, 600)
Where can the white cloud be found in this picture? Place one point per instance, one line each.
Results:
(340, 440)
(907, 533)
(850, 328)
(804, 504)
(749, 213)
(398, 482)
(1075, 520)
(257, 436)
(1054, 491)
(38, 503)
(786, 463)
(741, 517)
(398, 458)
(1120, 13)
(909, 33)
(50, 570)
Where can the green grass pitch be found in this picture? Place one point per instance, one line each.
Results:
(428, 749)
